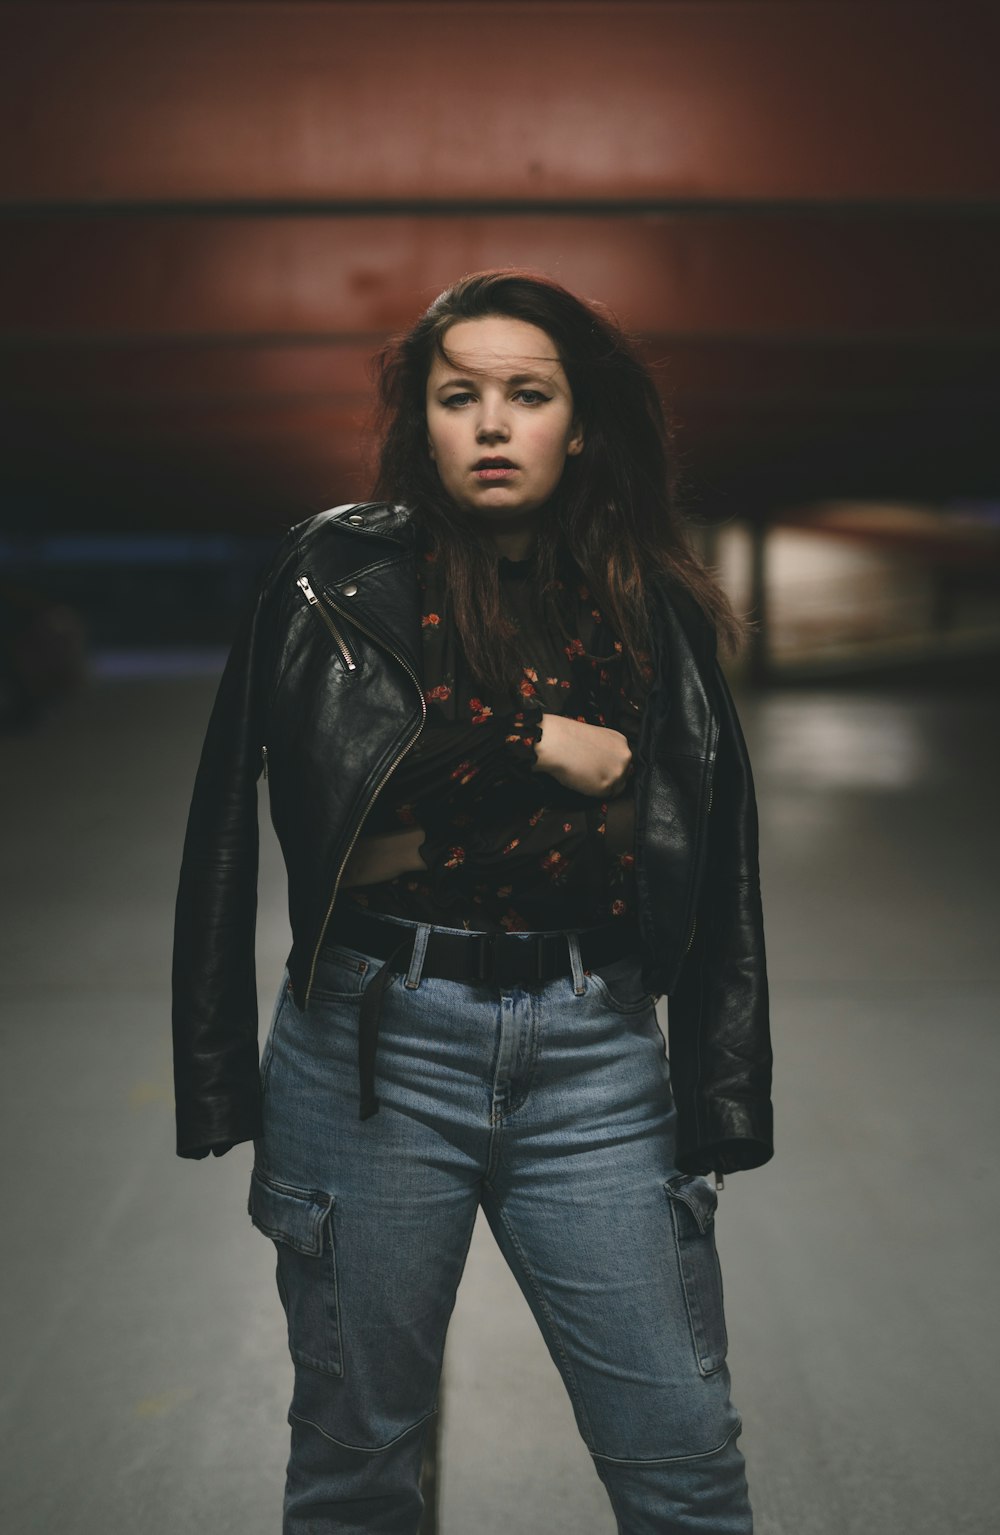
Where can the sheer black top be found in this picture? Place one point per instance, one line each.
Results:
(507, 847)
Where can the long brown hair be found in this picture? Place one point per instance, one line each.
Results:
(613, 510)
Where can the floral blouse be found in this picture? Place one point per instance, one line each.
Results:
(508, 848)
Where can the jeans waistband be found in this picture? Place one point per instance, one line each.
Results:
(497, 958)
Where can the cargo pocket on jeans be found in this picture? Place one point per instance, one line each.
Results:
(693, 1204)
(300, 1224)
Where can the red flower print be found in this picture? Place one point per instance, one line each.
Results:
(480, 712)
(617, 907)
(457, 857)
(430, 556)
(605, 675)
(465, 772)
(512, 844)
(430, 620)
(552, 681)
(504, 891)
(564, 684)
(536, 816)
(626, 860)
(567, 826)
(441, 692)
(583, 592)
(529, 671)
(618, 645)
(513, 922)
(574, 648)
(405, 814)
(526, 688)
(595, 614)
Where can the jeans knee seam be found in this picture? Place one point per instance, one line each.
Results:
(362, 1449)
(670, 1460)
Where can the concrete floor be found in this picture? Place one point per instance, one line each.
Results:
(144, 1379)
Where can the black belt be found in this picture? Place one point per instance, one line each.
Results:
(499, 959)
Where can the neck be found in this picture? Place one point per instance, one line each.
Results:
(513, 537)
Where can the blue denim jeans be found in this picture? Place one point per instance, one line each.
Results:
(551, 1108)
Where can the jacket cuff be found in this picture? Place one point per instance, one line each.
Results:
(733, 1135)
(217, 1124)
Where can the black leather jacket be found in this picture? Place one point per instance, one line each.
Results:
(323, 690)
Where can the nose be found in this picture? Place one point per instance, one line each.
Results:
(491, 426)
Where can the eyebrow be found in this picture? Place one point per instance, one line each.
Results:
(515, 378)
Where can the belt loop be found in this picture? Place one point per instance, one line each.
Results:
(417, 958)
(576, 964)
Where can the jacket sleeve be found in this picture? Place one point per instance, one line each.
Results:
(720, 1046)
(216, 1078)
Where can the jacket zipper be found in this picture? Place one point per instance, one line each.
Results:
(305, 586)
(263, 756)
(375, 792)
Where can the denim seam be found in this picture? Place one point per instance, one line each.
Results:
(670, 1460)
(595, 981)
(567, 1371)
(362, 1449)
(531, 1065)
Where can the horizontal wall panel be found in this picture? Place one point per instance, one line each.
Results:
(498, 100)
(791, 275)
(80, 379)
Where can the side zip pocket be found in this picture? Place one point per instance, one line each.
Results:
(319, 608)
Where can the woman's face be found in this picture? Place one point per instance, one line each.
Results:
(500, 420)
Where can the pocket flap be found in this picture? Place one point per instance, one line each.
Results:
(699, 1196)
(294, 1216)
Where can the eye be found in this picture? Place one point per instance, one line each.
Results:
(532, 396)
(452, 401)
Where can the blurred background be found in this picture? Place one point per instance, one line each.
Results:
(211, 213)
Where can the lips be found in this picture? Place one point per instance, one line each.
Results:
(494, 463)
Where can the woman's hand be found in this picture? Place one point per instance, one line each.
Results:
(374, 859)
(592, 759)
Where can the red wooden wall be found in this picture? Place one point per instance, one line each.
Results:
(210, 214)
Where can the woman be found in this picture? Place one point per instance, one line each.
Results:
(515, 807)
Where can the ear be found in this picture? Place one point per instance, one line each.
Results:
(575, 444)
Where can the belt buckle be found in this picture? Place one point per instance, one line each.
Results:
(502, 959)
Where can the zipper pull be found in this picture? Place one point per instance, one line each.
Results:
(307, 591)
(263, 753)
